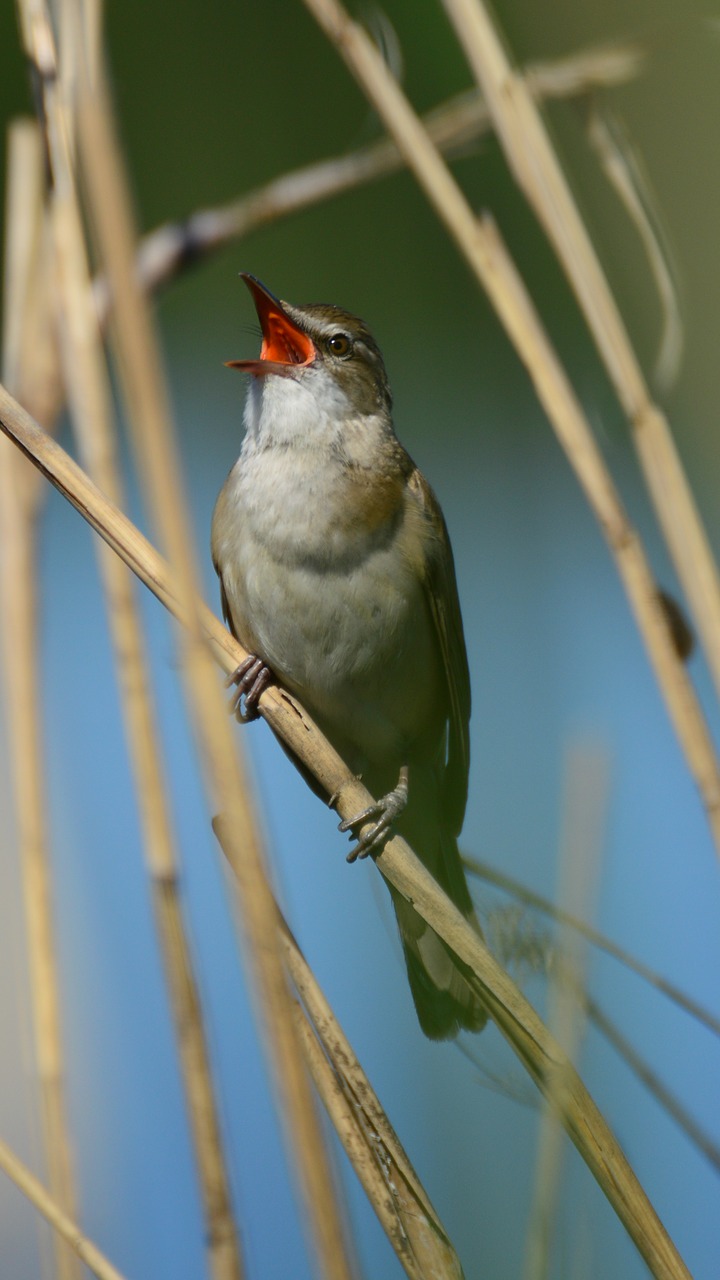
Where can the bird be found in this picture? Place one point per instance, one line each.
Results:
(337, 577)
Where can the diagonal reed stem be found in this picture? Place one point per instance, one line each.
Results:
(482, 247)
(537, 171)
(454, 127)
(66, 1229)
(508, 884)
(390, 1182)
(650, 1079)
(516, 1019)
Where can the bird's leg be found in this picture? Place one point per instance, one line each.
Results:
(250, 679)
(385, 810)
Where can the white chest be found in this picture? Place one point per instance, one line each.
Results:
(339, 615)
(321, 556)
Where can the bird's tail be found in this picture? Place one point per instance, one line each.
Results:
(444, 999)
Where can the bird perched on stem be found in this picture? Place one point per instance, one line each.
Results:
(337, 576)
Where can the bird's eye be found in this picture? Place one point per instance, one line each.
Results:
(339, 344)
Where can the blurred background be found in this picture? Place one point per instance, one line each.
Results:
(214, 100)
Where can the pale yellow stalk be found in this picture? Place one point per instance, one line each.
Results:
(584, 805)
(23, 684)
(531, 156)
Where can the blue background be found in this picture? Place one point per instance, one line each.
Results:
(212, 103)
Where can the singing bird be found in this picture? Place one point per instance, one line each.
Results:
(337, 576)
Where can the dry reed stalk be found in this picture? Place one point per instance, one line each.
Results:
(153, 437)
(221, 1235)
(624, 171)
(516, 1019)
(580, 853)
(420, 1252)
(372, 1147)
(537, 171)
(89, 399)
(481, 245)
(67, 1230)
(454, 126)
(390, 1182)
(535, 900)
(21, 669)
(30, 353)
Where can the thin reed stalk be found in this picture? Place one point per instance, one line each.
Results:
(82, 1249)
(480, 243)
(153, 437)
(519, 944)
(419, 1251)
(518, 1022)
(584, 804)
(90, 404)
(624, 171)
(649, 1078)
(22, 683)
(510, 885)
(538, 172)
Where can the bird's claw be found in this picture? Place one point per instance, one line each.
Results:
(385, 810)
(251, 678)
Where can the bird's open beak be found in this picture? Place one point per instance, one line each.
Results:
(284, 347)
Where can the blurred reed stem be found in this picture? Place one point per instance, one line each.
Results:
(624, 171)
(537, 1050)
(90, 404)
(480, 243)
(454, 126)
(537, 170)
(22, 675)
(153, 437)
(583, 814)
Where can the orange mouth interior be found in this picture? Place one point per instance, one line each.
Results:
(283, 343)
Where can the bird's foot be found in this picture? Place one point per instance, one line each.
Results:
(250, 679)
(384, 811)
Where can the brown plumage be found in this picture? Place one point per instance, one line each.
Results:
(336, 571)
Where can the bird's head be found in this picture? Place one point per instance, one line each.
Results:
(327, 352)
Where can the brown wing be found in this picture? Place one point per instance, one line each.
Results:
(444, 602)
(227, 616)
